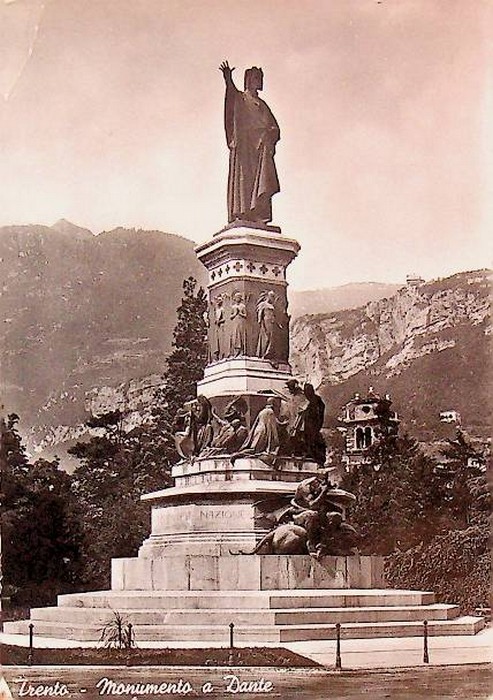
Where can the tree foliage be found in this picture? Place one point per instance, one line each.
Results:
(429, 517)
(60, 530)
(398, 494)
(41, 537)
(456, 565)
(112, 475)
(184, 368)
(185, 365)
(117, 467)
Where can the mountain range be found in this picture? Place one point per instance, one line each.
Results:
(88, 322)
(346, 296)
(81, 311)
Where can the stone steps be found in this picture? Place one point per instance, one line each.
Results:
(465, 625)
(259, 616)
(260, 633)
(245, 616)
(196, 600)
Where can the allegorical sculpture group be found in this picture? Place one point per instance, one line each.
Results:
(312, 522)
(287, 426)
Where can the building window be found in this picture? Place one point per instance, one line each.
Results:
(360, 438)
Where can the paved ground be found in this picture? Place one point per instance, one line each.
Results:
(401, 651)
(428, 683)
(356, 653)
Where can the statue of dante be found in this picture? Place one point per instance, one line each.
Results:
(251, 134)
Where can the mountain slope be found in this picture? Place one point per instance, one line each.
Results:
(427, 346)
(80, 311)
(88, 320)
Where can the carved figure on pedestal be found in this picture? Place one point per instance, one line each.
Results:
(292, 407)
(310, 424)
(195, 431)
(312, 523)
(229, 439)
(263, 438)
(288, 538)
(210, 334)
(309, 498)
(238, 329)
(251, 134)
(329, 533)
(267, 343)
(338, 537)
(219, 316)
(232, 431)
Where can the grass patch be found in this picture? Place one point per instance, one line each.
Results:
(247, 656)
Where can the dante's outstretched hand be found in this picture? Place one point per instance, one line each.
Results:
(226, 70)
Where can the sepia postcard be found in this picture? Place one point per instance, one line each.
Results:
(245, 423)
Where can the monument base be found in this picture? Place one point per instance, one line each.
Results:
(186, 586)
(218, 505)
(149, 572)
(269, 599)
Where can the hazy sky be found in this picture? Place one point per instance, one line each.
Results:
(111, 114)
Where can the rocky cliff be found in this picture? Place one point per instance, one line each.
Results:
(133, 398)
(427, 345)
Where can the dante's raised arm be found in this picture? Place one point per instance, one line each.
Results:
(227, 72)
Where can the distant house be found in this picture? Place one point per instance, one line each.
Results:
(450, 417)
(414, 280)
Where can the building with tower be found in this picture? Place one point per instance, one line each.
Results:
(363, 421)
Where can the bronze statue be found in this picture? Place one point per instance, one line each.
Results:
(292, 407)
(232, 431)
(311, 423)
(193, 427)
(287, 538)
(313, 523)
(251, 134)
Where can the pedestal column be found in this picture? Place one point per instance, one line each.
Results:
(248, 311)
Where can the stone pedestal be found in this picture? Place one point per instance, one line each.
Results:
(247, 376)
(245, 264)
(218, 506)
(202, 572)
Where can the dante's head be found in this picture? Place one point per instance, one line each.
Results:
(254, 78)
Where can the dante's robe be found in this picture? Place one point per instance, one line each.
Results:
(251, 133)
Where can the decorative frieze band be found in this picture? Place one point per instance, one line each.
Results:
(246, 268)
